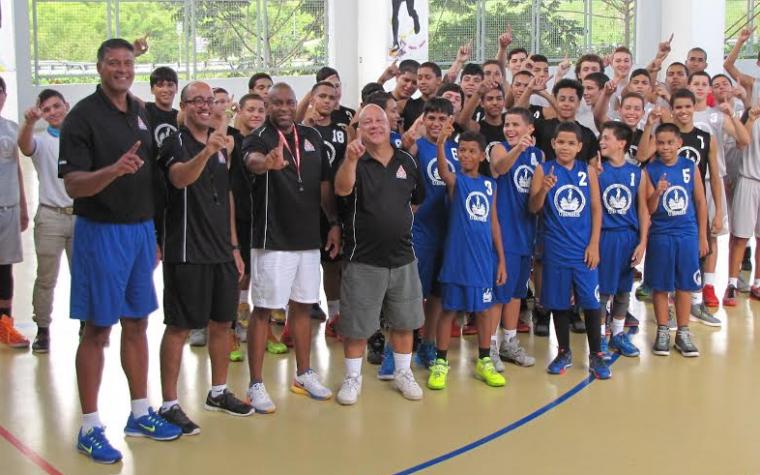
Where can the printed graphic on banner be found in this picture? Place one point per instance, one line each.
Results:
(408, 30)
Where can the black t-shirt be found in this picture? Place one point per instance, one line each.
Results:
(696, 147)
(335, 141)
(634, 148)
(479, 114)
(284, 218)
(377, 226)
(412, 111)
(162, 124)
(545, 132)
(342, 116)
(240, 179)
(493, 133)
(197, 220)
(95, 134)
(537, 111)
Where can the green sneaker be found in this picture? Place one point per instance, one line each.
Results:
(236, 354)
(485, 371)
(643, 292)
(276, 348)
(438, 373)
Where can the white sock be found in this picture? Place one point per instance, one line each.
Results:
(140, 408)
(217, 391)
(494, 340)
(618, 325)
(508, 334)
(604, 329)
(333, 308)
(696, 298)
(244, 296)
(709, 278)
(733, 281)
(402, 360)
(166, 405)
(354, 366)
(90, 421)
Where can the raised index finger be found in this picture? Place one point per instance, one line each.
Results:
(671, 38)
(135, 147)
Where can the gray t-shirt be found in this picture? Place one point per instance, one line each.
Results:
(9, 186)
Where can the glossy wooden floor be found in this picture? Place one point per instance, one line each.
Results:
(658, 415)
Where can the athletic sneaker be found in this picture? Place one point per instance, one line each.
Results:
(630, 320)
(309, 384)
(700, 314)
(598, 366)
(350, 389)
(198, 336)
(604, 350)
(456, 330)
(729, 297)
(662, 341)
(375, 347)
(495, 359)
(742, 285)
(175, 415)
(388, 366)
(276, 348)
(95, 445)
(286, 338)
(643, 292)
(438, 374)
(747, 260)
(278, 316)
(317, 313)
(485, 371)
(426, 354)
(228, 403)
(523, 326)
(151, 426)
(561, 362)
(236, 353)
(10, 336)
(331, 327)
(684, 343)
(511, 352)
(541, 320)
(41, 342)
(241, 325)
(577, 325)
(754, 292)
(672, 325)
(404, 381)
(259, 399)
(622, 344)
(708, 296)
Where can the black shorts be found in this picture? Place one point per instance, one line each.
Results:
(197, 293)
(243, 229)
(324, 228)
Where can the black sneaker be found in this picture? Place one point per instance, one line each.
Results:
(375, 345)
(417, 340)
(541, 320)
(175, 415)
(630, 320)
(41, 341)
(317, 313)
(227, 402)
(576, 324)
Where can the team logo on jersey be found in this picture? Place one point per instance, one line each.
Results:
(675, 200)
(698, 278)
(617, 199)
(477, 206)
(7, 148)
(523, 178)
(330, 152)
(487, 296)
(490, 147)
(596, 293)
(569, 201)
(401, 173)
(307, 146)
(691, 153)
(140, 124)
(632, 151)
(162, 132)
(432, 171)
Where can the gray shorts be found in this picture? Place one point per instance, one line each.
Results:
(365, 290)
(10, 235)
(745, 212)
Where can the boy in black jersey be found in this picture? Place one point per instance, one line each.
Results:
(472, 76)
(489, 97)
(429, 79)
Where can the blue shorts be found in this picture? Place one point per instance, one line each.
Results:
(518, 274)
(112, 271)
(465, 299)
(615, 252)
(559, 283)
(673, 263)
(429, 261)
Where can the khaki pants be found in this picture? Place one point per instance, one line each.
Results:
(53, 234)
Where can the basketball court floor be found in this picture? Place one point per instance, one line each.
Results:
(657, 415)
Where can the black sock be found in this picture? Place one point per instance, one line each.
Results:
(594, 330)
(44, 330)
(484, 353)
(441, 354)
(562, 328)
(6, 311)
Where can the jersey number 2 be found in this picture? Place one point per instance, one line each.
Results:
(582, 176)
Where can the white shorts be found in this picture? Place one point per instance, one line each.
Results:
(11, 251)
(745, 213)
(711, 208)
(280, 276)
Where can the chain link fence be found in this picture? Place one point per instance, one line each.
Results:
(742, 14)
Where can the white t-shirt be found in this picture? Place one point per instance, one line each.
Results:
(45, 159)
(711, 121)
(9, 187)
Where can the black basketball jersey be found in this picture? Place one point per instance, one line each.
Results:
(336, 140)
(696, 147)
(537, 111)
(633, 149)
(492, 133)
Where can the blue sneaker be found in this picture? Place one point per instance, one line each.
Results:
(426, 354)
(598, 367)
(95, 445)
(151, 426)
(388, 366)
(561, 362)
(604, 350)
(622, 344)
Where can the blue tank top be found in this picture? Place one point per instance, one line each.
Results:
(518, 225)
(567, 214)
(431, 217)
(468, 252)
(396, 139)
(619, 187)
(675, 213)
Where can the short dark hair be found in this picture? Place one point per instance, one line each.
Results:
(113, 43)
(220, 90)
(326, 72)
(433, 67)
(250, 97)
(408, 66)
(369, 89)
(524, 72)
(472, 136)
(438, 104)
(620, 131)
(600, 79)
(683, 93)
(320, 84)
(699, 50)
(700, 73)
(46, 94)
(163, 74)
(451, 87)
(623, 49)
(571, 127)
(668, 127)
(539, 58)
(678, 63)
(635, 95)
(525, 114)
(490, 62)
(256, 77)
(568, 84)
(379, 98)
(473, 69)
(641, 72)
(3, 87)
(721, 75)
(588, 58)
(515, 51)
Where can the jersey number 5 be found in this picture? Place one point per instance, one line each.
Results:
(686, 175)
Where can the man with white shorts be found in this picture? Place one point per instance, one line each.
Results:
(292, 171)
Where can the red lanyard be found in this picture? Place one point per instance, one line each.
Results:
(296, 156)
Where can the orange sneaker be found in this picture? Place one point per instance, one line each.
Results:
(9, 335)
(456, 330)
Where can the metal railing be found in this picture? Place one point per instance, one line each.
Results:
(742, 14)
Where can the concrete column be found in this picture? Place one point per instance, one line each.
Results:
(648, 24)
(372, 39)
(343, 31)
(695, 23)
(15, 57)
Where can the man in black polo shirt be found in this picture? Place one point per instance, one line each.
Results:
(292, 172)
(381, 185)
(106, 164)
(202, 264)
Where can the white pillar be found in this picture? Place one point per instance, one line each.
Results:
(15, 58)
(343, 32)
(372, 39)
(648, 24)
(695, 23)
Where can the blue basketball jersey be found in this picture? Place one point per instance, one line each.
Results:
(619, 187)
(567, 214)
(432, 215)
(675, 213)
(396, 139)
(518, 225)
(468, 252)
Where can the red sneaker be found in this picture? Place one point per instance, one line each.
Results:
(9, 335)
(331, 327)
(709, 297)
(729, 298)
(286, 338)
(456, 330)
(522, 327)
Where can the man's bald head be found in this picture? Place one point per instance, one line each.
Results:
(281, 106)
(197, 103)
(193, 89)
(374, 126)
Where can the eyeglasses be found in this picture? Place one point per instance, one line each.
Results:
(199, 101)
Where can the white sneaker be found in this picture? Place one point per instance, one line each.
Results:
(259, 399)
(198, 337)
(404, 381)
(309, 384)
(742, 285)
(497, 363)
(350, 389)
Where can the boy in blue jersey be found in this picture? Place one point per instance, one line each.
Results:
(625, 226)
(566, 191)
(467, 273)
(513, 163)
(677, 237)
